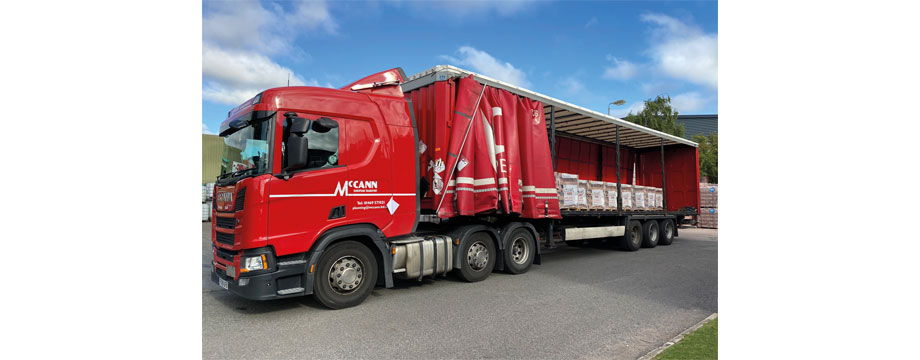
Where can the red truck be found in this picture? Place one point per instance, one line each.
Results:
(332, 192)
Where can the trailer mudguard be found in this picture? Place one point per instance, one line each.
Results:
(506, 238)
(463, 233)
(380, 249)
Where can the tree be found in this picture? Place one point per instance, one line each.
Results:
(658, 115)
(709, 156)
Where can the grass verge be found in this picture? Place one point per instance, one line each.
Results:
(700, 344)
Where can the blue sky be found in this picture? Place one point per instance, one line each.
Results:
(587, 53)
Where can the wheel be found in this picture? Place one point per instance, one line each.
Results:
(347, 275)
(632, 240)
(650, 234)
(666, 227)
(477, 258)
(520, 251)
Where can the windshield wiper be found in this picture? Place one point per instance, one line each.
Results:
(236, 173)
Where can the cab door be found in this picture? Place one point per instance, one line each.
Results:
(311, 199)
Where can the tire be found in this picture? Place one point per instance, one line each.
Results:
(666, 229)
(650, 234)
(481, 250)
(355, 265)
(632, 240)
(520, 251)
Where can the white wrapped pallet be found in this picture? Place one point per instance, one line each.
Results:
(627, 196)
(639, 193)
(597, 195)
(206, 211)
(650, 197)
(659, 199)
(582, 195)
(611, 196)
(568, 185)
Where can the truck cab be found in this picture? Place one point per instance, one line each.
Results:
(304, 166)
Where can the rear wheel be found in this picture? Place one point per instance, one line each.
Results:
(666, 227)
(347, 275)
(477, 258)
(520, 251)
(650, 234)
(632, 240)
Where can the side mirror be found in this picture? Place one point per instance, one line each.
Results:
(299, 125)
(324, 124)
(296, 152)
(238, 124)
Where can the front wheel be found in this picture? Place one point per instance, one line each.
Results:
(347, 275)
(477, 258)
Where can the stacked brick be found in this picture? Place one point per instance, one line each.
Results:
(709, 206)
(579, 194)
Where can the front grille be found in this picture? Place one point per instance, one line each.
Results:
(225, 238)
(226, 254)
(226, 222)
(240, 198)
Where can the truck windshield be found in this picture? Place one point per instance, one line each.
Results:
(246, 150)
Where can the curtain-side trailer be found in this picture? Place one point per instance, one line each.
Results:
(332, 192)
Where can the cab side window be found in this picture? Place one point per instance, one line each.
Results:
(322, 144)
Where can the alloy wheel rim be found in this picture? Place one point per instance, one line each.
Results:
(477, 256)
(346, 274)
(519, 251)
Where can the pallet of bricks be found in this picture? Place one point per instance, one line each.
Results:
(574, 193)
(709, 206)
(579, 194)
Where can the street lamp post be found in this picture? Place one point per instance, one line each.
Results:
(617, 103)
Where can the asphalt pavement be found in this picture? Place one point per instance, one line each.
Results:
(580, 303)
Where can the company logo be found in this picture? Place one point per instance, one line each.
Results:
(224, 196)
(355, 186)
(536, 117)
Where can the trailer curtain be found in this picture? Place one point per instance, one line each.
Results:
(498, 157)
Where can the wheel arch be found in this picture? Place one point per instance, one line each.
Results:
(366, 234)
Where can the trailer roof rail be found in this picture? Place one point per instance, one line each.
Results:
(571, 120)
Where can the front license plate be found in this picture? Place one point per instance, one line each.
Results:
(223, 283)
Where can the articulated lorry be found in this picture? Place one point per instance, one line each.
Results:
(333, 192)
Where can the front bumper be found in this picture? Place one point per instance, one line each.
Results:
(289, 280)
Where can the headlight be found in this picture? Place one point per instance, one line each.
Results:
(254, 263)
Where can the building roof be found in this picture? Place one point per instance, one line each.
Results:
(570, 120)
(699, 124)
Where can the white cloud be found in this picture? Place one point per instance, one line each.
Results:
(232, 77)
(239, 36)
(482, 62)
(240, 69)
(460, 9)
(571, 86)
(591, 22)
(250, 26)
(634, 108)
(688, 102)
(684, 51)
(205, 130)
(621, 69)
